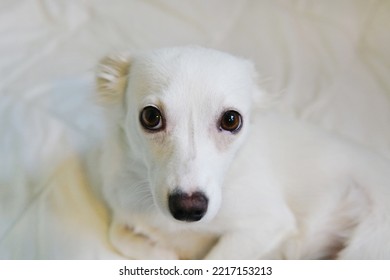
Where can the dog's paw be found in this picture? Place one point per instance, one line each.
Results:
(135, 245)
(160, 253)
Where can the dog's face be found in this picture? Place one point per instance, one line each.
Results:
(185, 114)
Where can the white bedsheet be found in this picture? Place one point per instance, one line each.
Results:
(327, 61)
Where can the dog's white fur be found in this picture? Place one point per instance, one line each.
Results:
(276, 189)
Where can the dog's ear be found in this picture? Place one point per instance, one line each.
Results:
(111, 77)
(260, 96)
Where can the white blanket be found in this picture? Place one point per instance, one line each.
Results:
(327, 62)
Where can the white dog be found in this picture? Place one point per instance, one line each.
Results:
(189, 172)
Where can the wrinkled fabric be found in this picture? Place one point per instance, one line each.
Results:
(326, 62)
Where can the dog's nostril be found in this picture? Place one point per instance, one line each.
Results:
(188, 207)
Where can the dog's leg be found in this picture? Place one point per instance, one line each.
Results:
(255, 242)
(137, 245)
(371, 238)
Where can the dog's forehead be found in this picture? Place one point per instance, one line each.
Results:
(193, 73)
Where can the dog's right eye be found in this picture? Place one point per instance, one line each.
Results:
(231, 121)
(151, 119)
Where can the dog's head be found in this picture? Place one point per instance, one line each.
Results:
(184, 113)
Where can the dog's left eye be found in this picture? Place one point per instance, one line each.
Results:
(151, 118)
(231, 121)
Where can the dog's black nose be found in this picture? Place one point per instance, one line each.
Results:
(188, 207)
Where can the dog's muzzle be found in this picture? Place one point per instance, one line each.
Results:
(187, 207)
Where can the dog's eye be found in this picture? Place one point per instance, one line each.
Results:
(151, 118)
(231, 121)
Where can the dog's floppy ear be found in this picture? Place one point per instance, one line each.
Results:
(260, 96)
(111, 77)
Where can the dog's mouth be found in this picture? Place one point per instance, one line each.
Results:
(187, 207)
